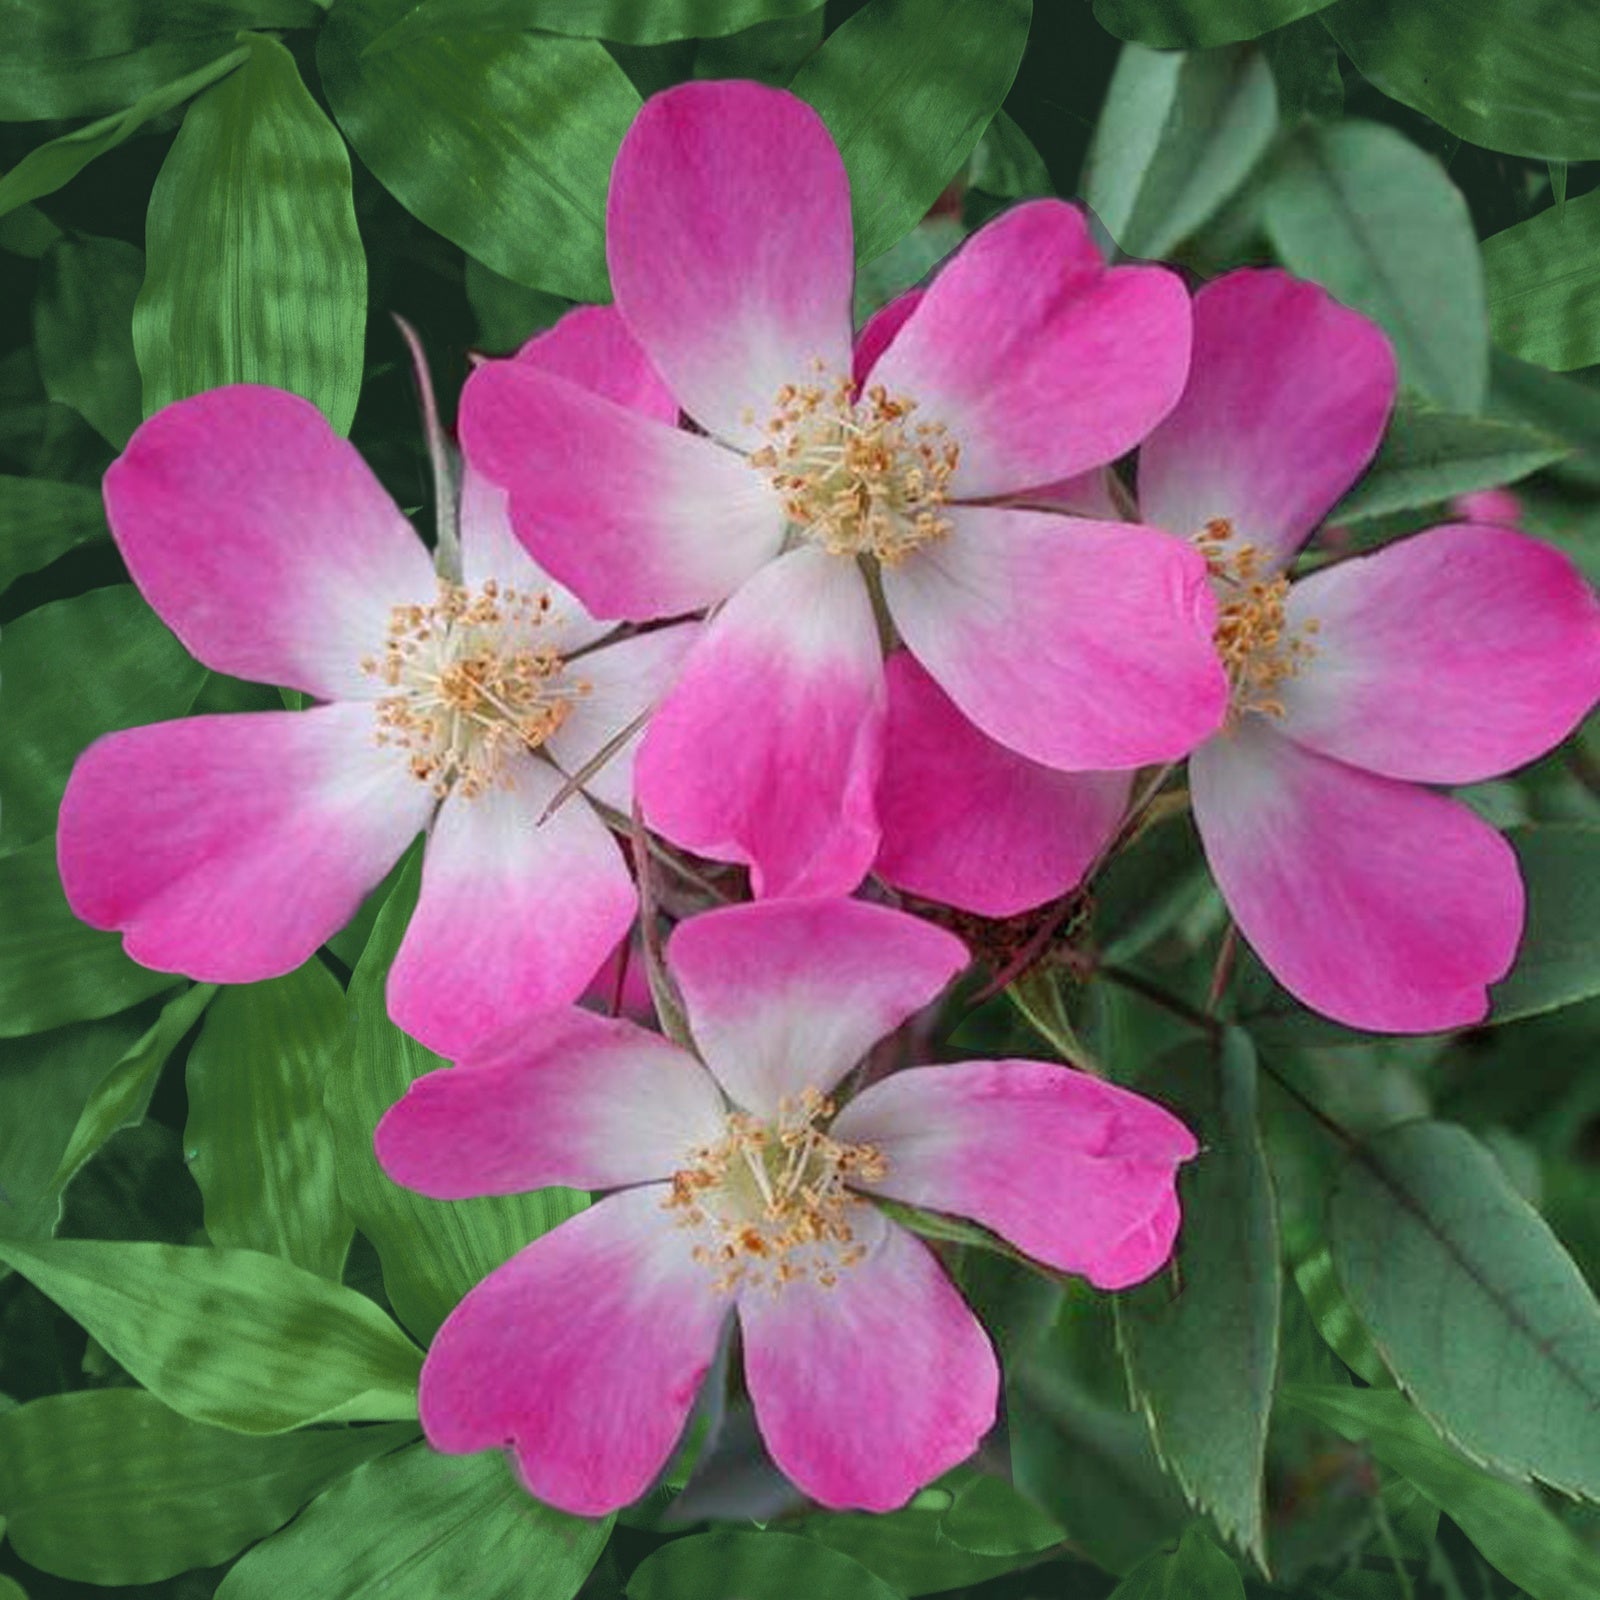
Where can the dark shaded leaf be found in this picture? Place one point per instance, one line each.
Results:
(1196, 1570)
(83, 332)
(752, 1566)
(626, 21)
(1558, 961)
(1198, 24)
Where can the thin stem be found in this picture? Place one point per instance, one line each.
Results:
(1223, 970)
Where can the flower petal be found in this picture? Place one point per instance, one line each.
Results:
(729, 242)
(583, 1353)
(1079, 644)
(880, 330)
(590, 1102)
(263, 540)
(515, 915)
(786, 995)
(1069, 1168)
(230, 847)
(1374, 902)
(768, 747)
(624, 681)
(1449, 657)
(592, 347)
(639, 519)
(1288, 396)
(868, 1389)
(972, 824)
(1039, 360)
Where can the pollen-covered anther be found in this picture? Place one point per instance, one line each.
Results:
(470, 682)
(772, 1202)
(857, 475)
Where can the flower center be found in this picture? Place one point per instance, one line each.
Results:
(856, 474)
(771, 1201)
(1259, 649)
(471, 681)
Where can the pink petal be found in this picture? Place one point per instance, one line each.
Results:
(639, 519)
(1079, 644)
(728, 238)
(592, 347)
(1288, 396)
(1501, 506)
(1070, 1169)
(972, 824)
(625, 680)
(867, 1390)
(590, 1102)
(767, 749)
(515, 914)
(1087, 495)
(1445, 658)
(1039, 361)
(230, 847)
(1374, 902)
(786, 995)
(880, 331)
(583, 1353)
(263, 540)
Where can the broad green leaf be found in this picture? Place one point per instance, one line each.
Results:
(1523, 80)
(905, 263)
(256, 272)
(1202, 1357)
(1005, 163)
(770, 52)
(110, 1486)
(66, 60)
(1428, 456)
(906, 88)
(1198, 24)
(53, 968)
(625, 21)
(1509, 1524)
(1305, 67)
(10, 1589)
(40, 520)
(502, 142)
(1544, 286)
(752, 1566)
(140, 674)
(1196, 1570)
(1177, 136)
(1558, 961)
(1362, 210)
(989, 1517)
(257, 1140)
(420, 1526)
(47, 167)
(432, 1251)
(83, 332)
(1471, 1302)
(27, 232)
(230, 1337)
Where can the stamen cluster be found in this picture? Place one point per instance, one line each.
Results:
(471, 684)
(856, 474)
(773, 1200)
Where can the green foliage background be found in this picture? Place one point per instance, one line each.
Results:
(1373, 1374)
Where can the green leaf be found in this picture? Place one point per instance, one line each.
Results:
(507, 313)
(1202, 1351)
(906, 88)
(1006, 163)
(905, 263)
(1531, 90)
(1196, 1570)
(1198, 24)
(110, 1486)
(257, 1141)
(625, 21)
(76, 60)
(502, 142)
(1428, 456)
(1558, 962)
(1305, 66)
(10, 1589)
(1544, 286)
(256, 271)
(1037, 994)
(1177, 136)
(752, 1566)
(1359, 208)
(1509, 1524)
(989, 1517)
(142, 674)
(770, 52)
(40, 520)
(432, 1251)
(47, 167)
(27, 232)
(83, 332)
(230, 1337)
(1471, 1302)
(420, 1526)
(53, 968)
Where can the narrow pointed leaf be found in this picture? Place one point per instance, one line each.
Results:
(83, 332)
(1544, 285)
(625, 21)
(40, 520)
